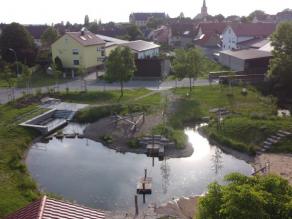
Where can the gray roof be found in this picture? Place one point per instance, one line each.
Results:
(247, 54)
(111, 41)
(141, 45)
(87, 39)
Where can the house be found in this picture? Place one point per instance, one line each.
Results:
(79, 49)
(264, 18)
(143, 49)
(285, 15)
(51, 208)
(237, 33)
(183, 34)
(161, 35)
(246, 61)
(141, 19)
(208, 37)
(111, 43)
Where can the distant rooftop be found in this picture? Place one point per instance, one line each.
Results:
(141, 45)
(86, 38)
(110, 41)
(46, 208)
(146, 16)
(247, 54)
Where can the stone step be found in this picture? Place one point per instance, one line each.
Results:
(276, 137)
(267, 143)
(281, 135)
(267, 146)
(284, 132)
(272, 141)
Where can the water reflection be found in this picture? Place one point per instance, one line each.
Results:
(165, 174)
(96, 176)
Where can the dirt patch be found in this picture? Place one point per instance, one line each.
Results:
(280, 164)
(122, 133)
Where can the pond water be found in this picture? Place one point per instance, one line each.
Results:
(96, 176)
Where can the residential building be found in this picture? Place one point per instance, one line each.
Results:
(247, 61)
(183, 34)
(285, 15)
(161, 35)
(209, 37)
(79, 49)
(111, 43)
(141, 19)
(143, 49)
(237, 33)
(51, 208)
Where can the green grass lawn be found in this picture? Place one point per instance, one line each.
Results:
(16, 187)
(251, 124)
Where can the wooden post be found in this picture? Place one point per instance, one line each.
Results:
(145, 173)
(136, 205)
(153, 161)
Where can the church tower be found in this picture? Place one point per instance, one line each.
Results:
(204, 10)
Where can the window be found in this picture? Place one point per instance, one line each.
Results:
(76, 62)
(75, 51)
(102, 53)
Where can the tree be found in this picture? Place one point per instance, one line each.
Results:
(256, 13)
(279, 72)
(243, 197)
(120, 66)
(15, 36)
(57, 74)
(6, 74)
(49, 36)
(188, 63)
(220, 18)
(26, 75)
(154, 23)
(82, 73)
(134, 32)
(86, 21)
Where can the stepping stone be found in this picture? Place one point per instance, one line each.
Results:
(267, 147)
(281, 135)
(272, 140)
(267, 143)
(284, 132)
(276, 137)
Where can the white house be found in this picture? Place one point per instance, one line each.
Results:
(235, 34)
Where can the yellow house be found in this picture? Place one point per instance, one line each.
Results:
(79, 49)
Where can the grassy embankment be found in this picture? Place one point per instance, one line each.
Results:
(251, 124)
(16, 187)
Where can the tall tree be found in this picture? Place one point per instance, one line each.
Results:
(49, 36)
(86, 21)
(256, 13)
(14, 36)
(188, 64)
(219, 17)
(120, 66)
(281, 63)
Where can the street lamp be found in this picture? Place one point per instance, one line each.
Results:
(14, 52)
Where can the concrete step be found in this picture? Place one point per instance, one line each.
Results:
(267, 143)
(276, 137)
(272, 141)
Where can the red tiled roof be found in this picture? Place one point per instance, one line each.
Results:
(253, 29)
(46, 208)
(87, 39)
(208, 28)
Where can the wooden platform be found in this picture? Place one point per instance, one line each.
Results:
(144, 186)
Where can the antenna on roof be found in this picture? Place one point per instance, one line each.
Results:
(83, 29)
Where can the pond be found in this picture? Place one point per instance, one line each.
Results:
(91, 174)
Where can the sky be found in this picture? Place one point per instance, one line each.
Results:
(55, 11)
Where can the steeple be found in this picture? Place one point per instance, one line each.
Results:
(204, 10)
